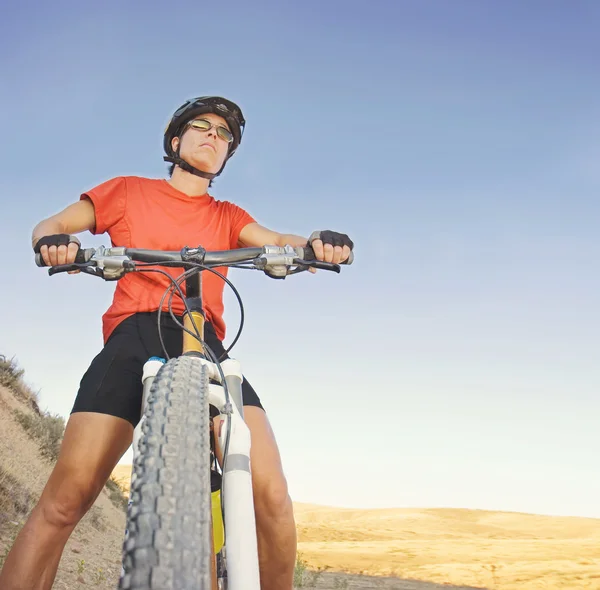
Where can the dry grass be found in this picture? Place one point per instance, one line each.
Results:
(474, 548)
(11, 377)
(15, 499)
(96, 543)
(121, 475)
(15, 503)
(116, 494)
(488, 549)
(46, 429)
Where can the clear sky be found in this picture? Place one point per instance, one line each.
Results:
(458, 143)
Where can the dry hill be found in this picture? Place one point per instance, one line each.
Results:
(478, 548)
(28, 444)
(408, 549)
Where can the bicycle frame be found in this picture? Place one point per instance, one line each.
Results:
(240, 525)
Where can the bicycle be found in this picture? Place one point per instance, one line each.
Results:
(190, 518)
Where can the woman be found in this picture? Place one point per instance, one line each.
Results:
(164, 215)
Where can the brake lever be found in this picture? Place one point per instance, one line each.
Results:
(85, 267)
(319, 264)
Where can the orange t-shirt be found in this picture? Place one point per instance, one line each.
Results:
(150, 213)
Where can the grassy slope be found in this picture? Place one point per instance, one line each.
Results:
(92, 556)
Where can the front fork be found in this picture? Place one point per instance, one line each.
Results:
(240, 524)
(242, 569)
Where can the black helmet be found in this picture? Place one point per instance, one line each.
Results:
(190, 110)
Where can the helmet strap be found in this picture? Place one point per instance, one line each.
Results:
(188, 168)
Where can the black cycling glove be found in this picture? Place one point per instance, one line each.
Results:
(331, 237)
(55, 240)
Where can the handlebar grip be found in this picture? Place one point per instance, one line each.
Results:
(81, 257)
(309, 254)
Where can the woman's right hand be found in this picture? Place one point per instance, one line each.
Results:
(57, 249)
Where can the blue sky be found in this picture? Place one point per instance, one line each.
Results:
(455, 363)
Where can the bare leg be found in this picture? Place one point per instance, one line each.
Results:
(92, 445)
(276, 529)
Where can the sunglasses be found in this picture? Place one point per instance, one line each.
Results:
(206, 125)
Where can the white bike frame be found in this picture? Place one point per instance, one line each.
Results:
(238, 504)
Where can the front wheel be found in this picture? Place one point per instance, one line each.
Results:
(169, 543)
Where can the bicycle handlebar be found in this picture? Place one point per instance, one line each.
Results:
(113, 263)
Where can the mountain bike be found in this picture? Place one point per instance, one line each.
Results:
(190, 518)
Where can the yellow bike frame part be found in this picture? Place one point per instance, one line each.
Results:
(190, 343)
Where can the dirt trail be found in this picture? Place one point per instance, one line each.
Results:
(336, 581)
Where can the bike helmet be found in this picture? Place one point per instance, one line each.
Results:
(190, 110)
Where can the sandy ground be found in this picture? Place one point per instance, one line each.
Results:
(93, 554)
(336, 580)
(404, 549)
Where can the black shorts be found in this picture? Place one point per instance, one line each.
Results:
(113, 383)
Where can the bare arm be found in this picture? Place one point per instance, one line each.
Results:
(255, 235)
(76, 218)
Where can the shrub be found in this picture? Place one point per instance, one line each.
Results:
(15, 504)
(15, 499)
(11, 376)
(47, 429)
(116, 495)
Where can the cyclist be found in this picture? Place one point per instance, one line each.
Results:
(162, 214)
